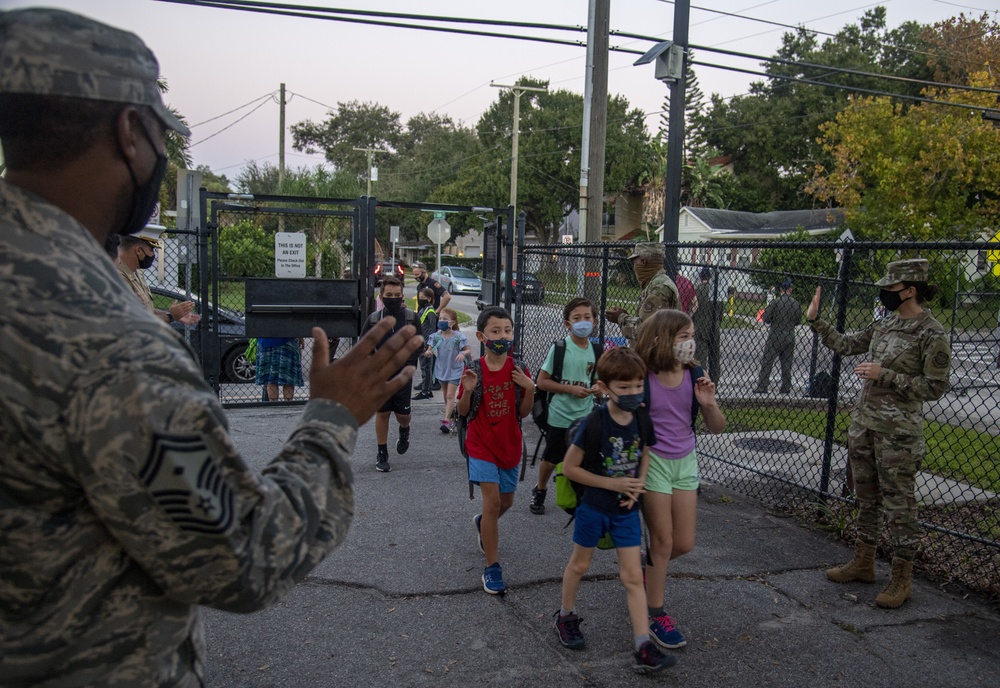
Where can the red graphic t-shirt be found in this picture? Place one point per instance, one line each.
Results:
(494, 434)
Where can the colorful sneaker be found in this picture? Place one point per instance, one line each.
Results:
(477, 521)
(662, 630)
(403, 443)
(445, 427)
(648, 659)
(568, 628)
(493, 580)
(537, 505)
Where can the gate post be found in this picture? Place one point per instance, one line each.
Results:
(518, 310)
(831, 408)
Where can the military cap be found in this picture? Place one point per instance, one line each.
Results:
(787, 284)
(911, 270)
(49, 52)
(648, 249)
(706, 273)
(151, 234)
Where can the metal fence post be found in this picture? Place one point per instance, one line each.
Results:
(604, 289)
(843, 282)
(518, 310)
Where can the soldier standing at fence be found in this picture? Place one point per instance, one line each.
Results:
(910, 359)
(138, 252)
(707, 317)
(658, 290)
(783, 315)
(125, 503)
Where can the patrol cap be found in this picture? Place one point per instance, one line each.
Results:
(787, 284)
(706, 273)
(417, 265)
(648, 249)
(151, 234)
(48, 52)
(910, 270)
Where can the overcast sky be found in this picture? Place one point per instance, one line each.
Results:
(218, 60)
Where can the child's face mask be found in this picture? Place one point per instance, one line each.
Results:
(684, 351)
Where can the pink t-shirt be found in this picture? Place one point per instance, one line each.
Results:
(670, 411)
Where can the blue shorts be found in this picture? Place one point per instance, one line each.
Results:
(591, 525)
(488, 472)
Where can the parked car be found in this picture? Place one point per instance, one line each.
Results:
(531, 288)
(232, 331)
(458, 280)
(389, 267)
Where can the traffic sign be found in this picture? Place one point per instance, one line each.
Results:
(438, 214)
(439, 231)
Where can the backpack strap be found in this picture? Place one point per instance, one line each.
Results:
(696, 373)
(592, 438)
(598, 351)
(477, 391)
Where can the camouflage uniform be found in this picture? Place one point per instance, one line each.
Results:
(660, 292)
(125, 503)
(707, 331)
(885, 439)
(783, 315)
(137, 281)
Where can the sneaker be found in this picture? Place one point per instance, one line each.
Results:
(422, 396)
(648, 659)
(382, 463)
(568, 628)
(493, 580)
(445, 427)
(403, 443)
(436, 386)
(662, 630)
(477, 521)
(537, 505)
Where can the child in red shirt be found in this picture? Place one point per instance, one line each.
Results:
(493, 441)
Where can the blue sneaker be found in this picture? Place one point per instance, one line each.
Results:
(493, 580)
(662, 630)
(648, 659)
(477, 521)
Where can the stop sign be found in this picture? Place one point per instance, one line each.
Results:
(438, 231)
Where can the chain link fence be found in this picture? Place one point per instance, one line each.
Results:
(786, 436)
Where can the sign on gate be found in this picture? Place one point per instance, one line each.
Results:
(289, 254)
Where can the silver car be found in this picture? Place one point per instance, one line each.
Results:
(459, 280)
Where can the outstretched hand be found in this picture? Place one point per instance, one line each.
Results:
(363, 379)
(813, 311)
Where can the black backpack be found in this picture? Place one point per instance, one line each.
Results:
(540, 409)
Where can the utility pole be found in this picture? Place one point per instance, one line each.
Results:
(595, 122)
(675, 142)
(518, 92)
(370, 151)
(281, 138)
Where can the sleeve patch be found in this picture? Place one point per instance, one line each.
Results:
(941, 359)
(184, 479)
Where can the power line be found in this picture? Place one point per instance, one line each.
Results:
(263, 103)
(212, 119)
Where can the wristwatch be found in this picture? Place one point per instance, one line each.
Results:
(170, 317)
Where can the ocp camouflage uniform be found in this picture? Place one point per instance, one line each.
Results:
(885, 440)
(783, 315)
(124, 503)
(661, 292)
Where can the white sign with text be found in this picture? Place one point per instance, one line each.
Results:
(289, 254)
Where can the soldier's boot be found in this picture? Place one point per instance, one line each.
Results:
(860, 568)
(898, 590)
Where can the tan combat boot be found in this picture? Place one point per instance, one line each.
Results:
(860, 568)
(898, 590)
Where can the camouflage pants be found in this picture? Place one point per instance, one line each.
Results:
(885, 467)
(784, 352)
(707, 351)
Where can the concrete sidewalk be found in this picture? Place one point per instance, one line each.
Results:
(401, 603)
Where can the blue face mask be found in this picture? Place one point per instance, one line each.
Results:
(582, 328)
(630, 402)
(444, 325)
(499, 347)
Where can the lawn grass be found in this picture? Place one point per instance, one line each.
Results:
(952, 452)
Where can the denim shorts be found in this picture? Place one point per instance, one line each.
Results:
(488, 472)
(667, 475)
(591, 525)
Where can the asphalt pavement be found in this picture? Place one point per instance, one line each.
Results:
(400, 602)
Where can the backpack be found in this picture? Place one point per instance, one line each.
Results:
(251, 351)
(540, 409)
(568, 492)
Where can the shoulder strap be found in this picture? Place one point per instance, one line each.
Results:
(647, 437)
(477, 391)
(558, 356)
(593, 435)
(598, 351)
(696, 373)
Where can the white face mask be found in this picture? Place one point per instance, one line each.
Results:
(684, 351)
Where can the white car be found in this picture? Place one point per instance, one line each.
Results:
(458, 280)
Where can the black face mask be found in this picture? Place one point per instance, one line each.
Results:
(891, 299)
(146, 261)
(144, 196)
(393, 304)
(421, 303)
